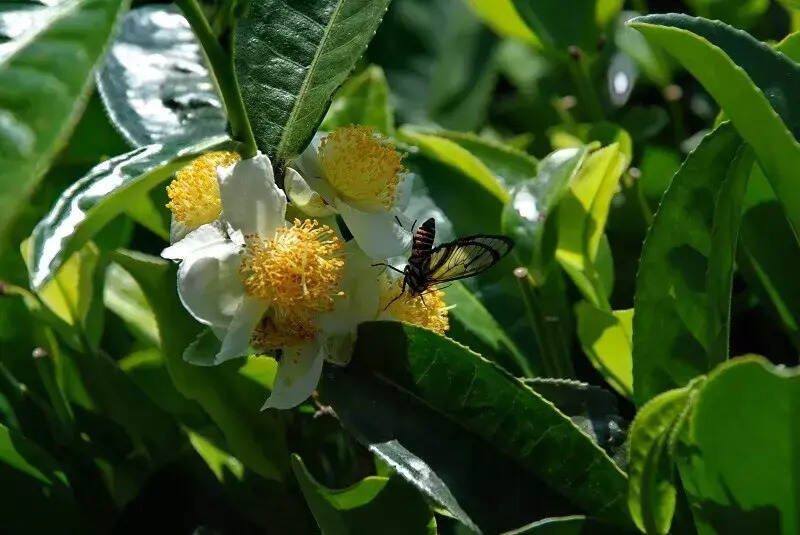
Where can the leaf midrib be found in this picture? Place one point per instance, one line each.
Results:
(307, 80)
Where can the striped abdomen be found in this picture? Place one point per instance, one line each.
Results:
(423, 239)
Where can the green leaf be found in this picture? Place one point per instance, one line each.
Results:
(606, 339)
(652, 494)
(591, 408)
(41, 500)
(428, 85)
(526, 217)
(509, 166)
(682, 301)
(744, 409)
(155, 83)
(362, 100)
(123, 296)
(290, 58)
(564, 525)
(438, 380)
(546, 18)
(231, 398)
(46, 74)
(502, 17)
(473, 325)
(738, 13)
(452, 154)
(94, 200)
(582, 219)
(754, 84)
(389, 502)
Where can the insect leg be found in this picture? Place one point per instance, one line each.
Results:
(402, 291)
(389, 266)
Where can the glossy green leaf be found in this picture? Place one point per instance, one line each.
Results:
(606, 339)
(290, 58)
(526, 218)
(41, 500)
(754, 84)
(389, 502)
(41, 100)
(546, 18)
(502, 17)
(473, 325)
(155, 82)
(362, 100)
(230, 398)
(440, 380)
(682, 302)
(91, 202)
(428, 85)
(738, 467)
(582, 219)
(653, 435)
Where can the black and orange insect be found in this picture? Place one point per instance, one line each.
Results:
(461, 258)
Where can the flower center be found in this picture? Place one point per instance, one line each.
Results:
(194, 193)
(298, 271)
(276, 330)
(428, 310)
(361, 167)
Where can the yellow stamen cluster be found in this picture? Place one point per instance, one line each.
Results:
(299, 273)
(428, 310)
(361, 167)
(276, 330)
(194, 193)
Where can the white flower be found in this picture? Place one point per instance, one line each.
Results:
(257, 281)
(358, 176)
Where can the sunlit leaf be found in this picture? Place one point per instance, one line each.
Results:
(42, 98)
(682, 303)
(291, 57)
(155, 82)
(417, 380)
(362, 100)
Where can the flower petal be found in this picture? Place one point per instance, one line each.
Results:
(240, 331)
(377, 233)
(251, 202)
(308, 162)
(361, 289)
(195, 240)
(402, 194)
(177, 230)
(298, 374)
(209, 285)
(304, 197)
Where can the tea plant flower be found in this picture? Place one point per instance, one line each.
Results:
(361, 177)
(256, 280)
(428, 310)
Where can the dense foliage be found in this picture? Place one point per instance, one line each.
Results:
(604, 377)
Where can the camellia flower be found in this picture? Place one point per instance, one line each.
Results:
(428, 310)
(361, 177)
(256, 280)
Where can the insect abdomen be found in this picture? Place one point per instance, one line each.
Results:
(423, 238)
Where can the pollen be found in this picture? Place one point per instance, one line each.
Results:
(361, 167)
(194, 193)
(427, 310)
(298, 272)
(276, 330)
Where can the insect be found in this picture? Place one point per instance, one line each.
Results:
(465, 257)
